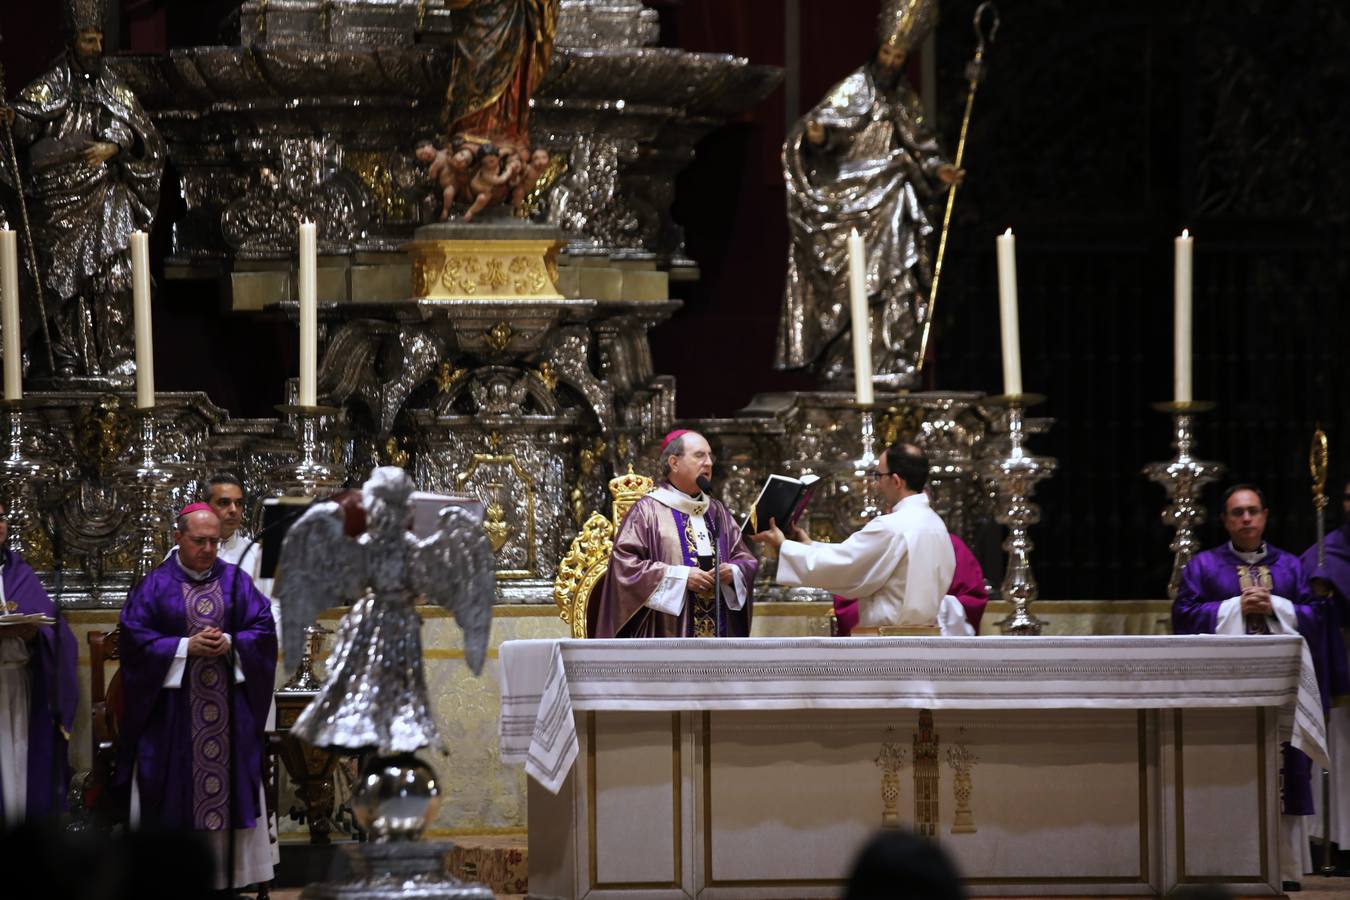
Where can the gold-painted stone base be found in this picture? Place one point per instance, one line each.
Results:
(485, 269)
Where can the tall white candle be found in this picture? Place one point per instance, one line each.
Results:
(862, 320)
(140, 301)
(1007, 314)
(1181, 326)
(9, 298)
(309, 315)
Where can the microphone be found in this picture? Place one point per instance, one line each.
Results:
(704, 484)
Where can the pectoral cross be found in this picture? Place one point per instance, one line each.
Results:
(1255, 576)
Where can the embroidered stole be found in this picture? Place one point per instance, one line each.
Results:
(209, 711)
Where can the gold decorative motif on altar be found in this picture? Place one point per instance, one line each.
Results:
(587, 460)
(962, 762)
(534, 197)
(900, 425)
(498, 336)
(373, 170)
(926, 776)
(547, 377)
(587, 559)
(447, 378)
(494, 523)
(101, 434)
(488, 269)
(890, 759)
(394, 454)
(504, 526)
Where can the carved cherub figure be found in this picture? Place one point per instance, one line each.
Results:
(489, 183)
(534, 170)
(448, 168)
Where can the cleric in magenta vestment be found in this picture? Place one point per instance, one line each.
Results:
(660, 579)
(192, 735)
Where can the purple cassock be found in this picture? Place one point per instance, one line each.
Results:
(183, 740)
(652, 536)
(53, 693)
(1215, 575)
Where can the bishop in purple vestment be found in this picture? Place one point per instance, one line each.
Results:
(679, 566)
(38, 680)
(1333, 576)
(192, 734)
(1246, 586)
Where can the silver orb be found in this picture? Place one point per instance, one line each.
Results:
(395, 798)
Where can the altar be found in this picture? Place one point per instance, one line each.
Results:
(1045, 766)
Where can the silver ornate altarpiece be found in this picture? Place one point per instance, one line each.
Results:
(518, 371)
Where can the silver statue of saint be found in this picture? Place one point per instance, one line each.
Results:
(863, 158)
(93, 166)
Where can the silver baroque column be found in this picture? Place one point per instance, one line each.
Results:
(152, 482)
(1014, 476)
(20, 476)
(1184, 478)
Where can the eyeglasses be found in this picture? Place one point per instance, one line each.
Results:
(880, 475)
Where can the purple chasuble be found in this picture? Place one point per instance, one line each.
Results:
(189, 744)
(1335, 571)
(1213, 576)
(53, 693)
(652, 536)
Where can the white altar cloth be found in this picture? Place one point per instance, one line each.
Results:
(544, 682)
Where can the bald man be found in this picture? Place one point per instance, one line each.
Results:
(192, 737)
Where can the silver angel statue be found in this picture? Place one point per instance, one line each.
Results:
(91, 165)
(863, 158)
(375, 695)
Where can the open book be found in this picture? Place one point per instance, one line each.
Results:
(782, 499)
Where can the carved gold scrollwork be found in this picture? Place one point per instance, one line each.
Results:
(584, 565)
(926, 776)
(587, 559)
(497, 522)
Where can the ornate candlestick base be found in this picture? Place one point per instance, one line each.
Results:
(1015, 476)
(861, 468)
(151, 482)
(310, 475)
(20, 476)
(1184, 478)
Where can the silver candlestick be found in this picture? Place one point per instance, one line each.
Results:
(152, 481)
(1015, 476)
(20, 476)
(310, 475)
(1184, 478)
(862, 468)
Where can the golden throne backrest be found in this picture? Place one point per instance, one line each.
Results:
(587, 559)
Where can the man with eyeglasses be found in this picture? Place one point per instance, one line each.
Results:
(1247, 586)
(192, 734)
(679, 567)
(898, 566)
(38, 691)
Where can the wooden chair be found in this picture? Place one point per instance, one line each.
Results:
(581, 573)
(105, 709)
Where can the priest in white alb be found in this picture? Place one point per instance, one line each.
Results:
(898, 566)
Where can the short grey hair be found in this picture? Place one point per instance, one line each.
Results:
(672, 450)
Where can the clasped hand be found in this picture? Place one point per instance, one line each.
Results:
(210, 642)
(701, 581)
(98, 152)
(1256, 601)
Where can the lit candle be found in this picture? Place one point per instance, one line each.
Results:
(1181, 330)
(9, 298)
(1007, 314)
(309, 315)
(140, 301)
(862, 320)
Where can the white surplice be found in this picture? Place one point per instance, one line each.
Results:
(15, 655)
(898, 567)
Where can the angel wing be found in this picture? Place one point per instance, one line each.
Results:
(453, 568)
(319, 567)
